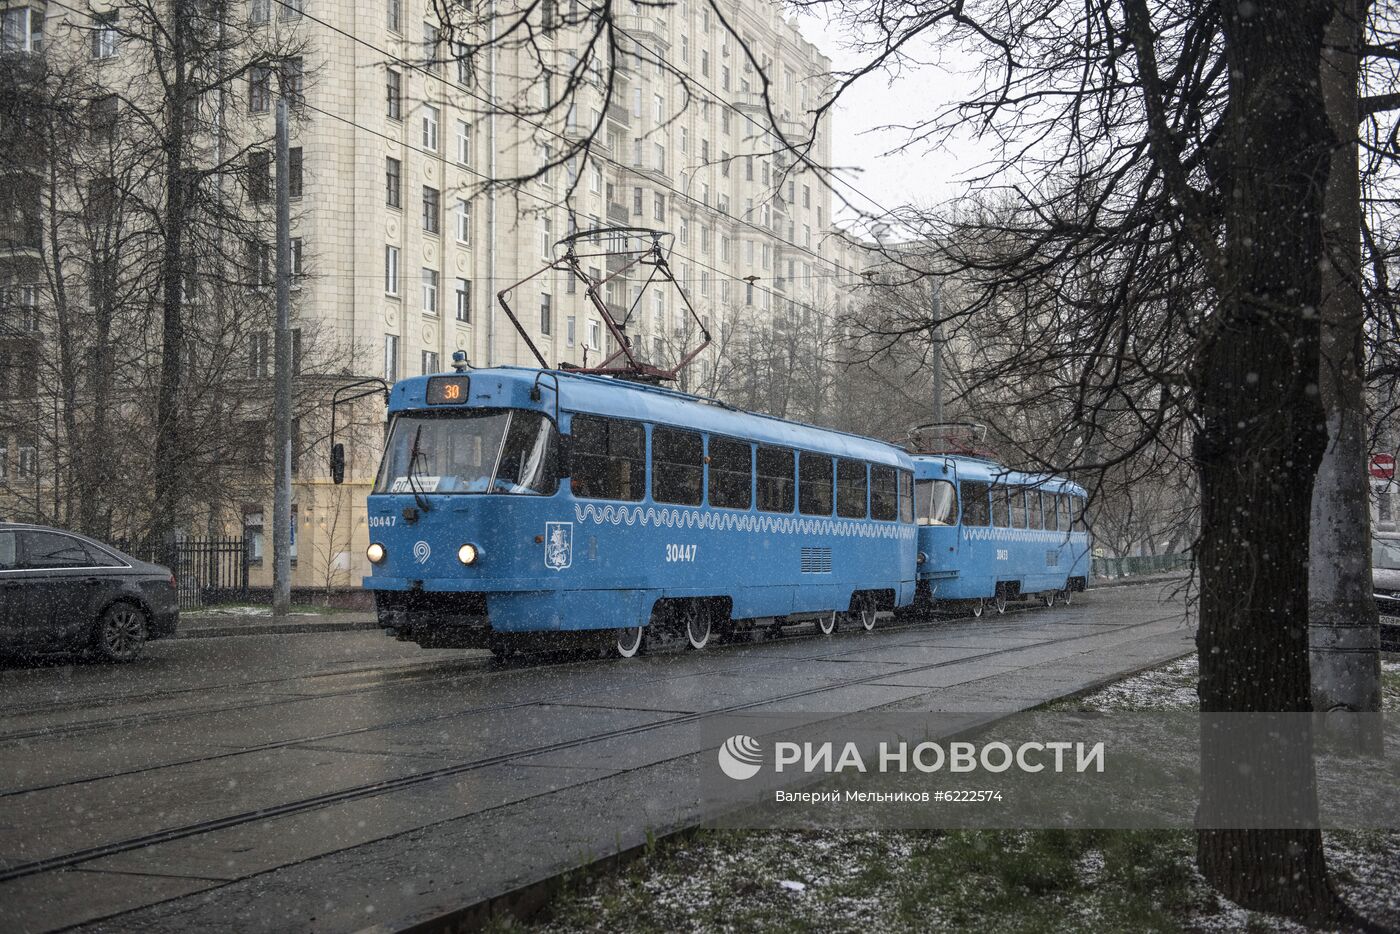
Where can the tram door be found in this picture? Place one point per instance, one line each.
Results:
(936, 503)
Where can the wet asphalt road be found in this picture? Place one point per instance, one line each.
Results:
(334, 781)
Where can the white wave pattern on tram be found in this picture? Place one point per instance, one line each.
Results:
(997, 534)
(739, 522)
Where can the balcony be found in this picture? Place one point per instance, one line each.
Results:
(648, 30)
(617, 213)
(618, 114)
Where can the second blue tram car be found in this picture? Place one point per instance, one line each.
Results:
(989, 535)
(515, 501)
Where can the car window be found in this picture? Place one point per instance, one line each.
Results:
(102, 559)
(8, 560)
(52, 550)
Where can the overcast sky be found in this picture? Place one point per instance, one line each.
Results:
(915, 175)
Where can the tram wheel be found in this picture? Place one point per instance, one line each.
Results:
(999, 602)
(979, 606)
(827, 624)
(1064, 596)
(864, 613)
(697, 624)
(629, 642)
(1050, 596)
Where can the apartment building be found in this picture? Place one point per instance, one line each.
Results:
(401, 247)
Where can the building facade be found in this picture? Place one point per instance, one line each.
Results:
(401, 243)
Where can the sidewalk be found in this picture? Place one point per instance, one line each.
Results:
(196, 624)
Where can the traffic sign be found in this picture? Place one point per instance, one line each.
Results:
(1383, 466)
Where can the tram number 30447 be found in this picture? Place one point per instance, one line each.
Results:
(1003, 554)
(680, 553)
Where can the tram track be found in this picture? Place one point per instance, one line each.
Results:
(489, 666)
(444, 671)
(386, 786)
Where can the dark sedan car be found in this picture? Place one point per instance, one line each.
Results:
(63, 592)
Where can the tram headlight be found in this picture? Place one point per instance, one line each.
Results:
(375, 552)
(923, 558)
(468, 554)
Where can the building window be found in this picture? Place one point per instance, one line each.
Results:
(464, 301)
(637, 202)
(430, 128)
(292, 74)
(658, 208)
(432, 205)
(569, 330)
(259, 89)
(289, 9)
(395, 16)
(294, 178)
(393, 182)
(104, 35)
(546, 314)
(295, 258)
(394, 94)
(464, 142)
(659, 156)
(546, 239)
(430, 362)
(259, 355)
(430, 291)
(595, 334)
(391, 357)
(391, 270)
(4, 458)
(259, 11)
(253, 535)
(21, 30)
(464, 220)
(259, 175)
(430, 49)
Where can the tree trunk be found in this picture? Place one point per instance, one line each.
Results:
(1260, 443)
(1344, 623)
(174, 269)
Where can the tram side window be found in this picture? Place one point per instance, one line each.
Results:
(1001, 506)
(935, 502)
(1036, 520)
(850, 489)
(906, 496)
(884, 493)
(1081, 523)
(677, 466)
(975, 509)
(731, 473)
(609, 458)
(1018, 506)
(814, 493)
(1052, 511)
(1064, 500)
(775, 472)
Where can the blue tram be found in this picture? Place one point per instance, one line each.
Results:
(989, 535)
(513, 502)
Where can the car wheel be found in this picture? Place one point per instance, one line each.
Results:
(121, 633)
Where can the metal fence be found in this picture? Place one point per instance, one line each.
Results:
(200, 565)
(1140, 564)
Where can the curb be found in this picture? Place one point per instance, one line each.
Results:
(1129, 581)
(273, 629)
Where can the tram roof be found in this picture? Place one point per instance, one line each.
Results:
(601, 395)
(989, 471)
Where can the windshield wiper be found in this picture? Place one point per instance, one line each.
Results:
(415, 452)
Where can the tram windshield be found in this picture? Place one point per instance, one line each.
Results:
(935, 502)
(1385, 554)
(481, 451)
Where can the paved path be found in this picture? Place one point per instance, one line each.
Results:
(335, 781)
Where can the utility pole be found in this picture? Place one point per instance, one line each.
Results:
(282, 378)
(936, 333)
